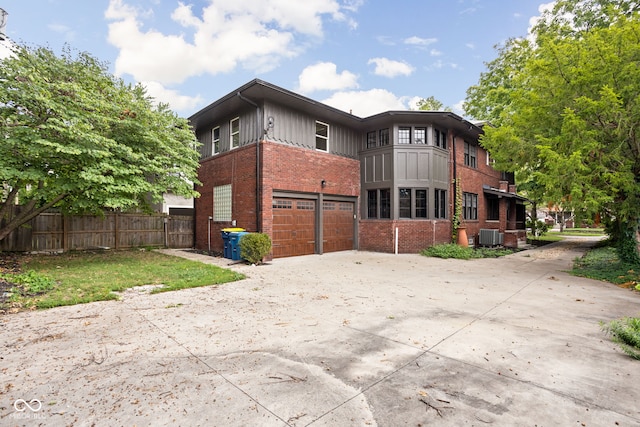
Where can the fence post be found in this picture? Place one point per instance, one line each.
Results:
(65, 233)
(117, 229)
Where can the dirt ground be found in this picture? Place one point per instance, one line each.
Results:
(341, 339)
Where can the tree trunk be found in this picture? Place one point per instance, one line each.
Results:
(534, 219)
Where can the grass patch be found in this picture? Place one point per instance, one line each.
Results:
(579, 232)
(82, 277)
(545, 239)
(602, 263)
(451, 250)
(626, 333)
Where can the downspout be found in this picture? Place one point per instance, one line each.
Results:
(455, 184)
(258, 138)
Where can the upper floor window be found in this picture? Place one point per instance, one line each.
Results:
(470, 206)
(440, 138)
(404, 135)
(371, 139)
(470, 155)
(384, 137)
(215, 140)
(440, 203)
(322, 136)
(419, 135)
(234, 127)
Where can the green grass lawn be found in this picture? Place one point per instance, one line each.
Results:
(602, 263)
(81, 277)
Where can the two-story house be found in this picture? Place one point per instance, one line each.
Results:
(317, 179)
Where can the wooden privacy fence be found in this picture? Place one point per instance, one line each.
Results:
(53, 232)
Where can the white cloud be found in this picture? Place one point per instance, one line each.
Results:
(435, 52)
(533, 21)
(65, 31)
(418, 41)
(388, 68)
(325, 76)
(224, 35)
(367, 103)
(176, 101)
(470, 45)
(458, 108)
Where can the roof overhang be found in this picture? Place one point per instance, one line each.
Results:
(502, 193)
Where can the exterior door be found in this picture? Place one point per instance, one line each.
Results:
(338, 226)
(293, 227)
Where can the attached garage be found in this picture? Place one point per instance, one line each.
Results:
(337, 226)
(295, 232)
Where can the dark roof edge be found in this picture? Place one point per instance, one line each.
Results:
(275, 88)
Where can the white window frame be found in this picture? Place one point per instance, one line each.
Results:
(233, 134)
(215, 142)
(325, 138)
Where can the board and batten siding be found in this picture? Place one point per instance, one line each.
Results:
(298, 128)
(248, 133)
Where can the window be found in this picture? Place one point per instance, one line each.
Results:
(405, 203)
(440, 138)
(384, 137)
(470, 155)
(371, 139)
(235, 132)
(322, 136)
(440, 203)
(404, 135)
(421, 203)
(420, 135)
(470, 206)
(412, 203)
(222, 203)
(493, 209)
(215, 140)
(379, 203)
(385, 203)
(372, 203)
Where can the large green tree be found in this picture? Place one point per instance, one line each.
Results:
(567, 110)
(74, 137)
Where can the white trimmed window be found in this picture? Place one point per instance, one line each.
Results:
(215, 140)
(322, 136)
(222, 203)
(234, 127)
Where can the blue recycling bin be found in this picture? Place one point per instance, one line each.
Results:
(229, 239)
(234, 243)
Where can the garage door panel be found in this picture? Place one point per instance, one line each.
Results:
(338, 226)
(293, 227)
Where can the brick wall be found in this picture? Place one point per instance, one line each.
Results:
(284, 168)
(413, 236)
(238, 168)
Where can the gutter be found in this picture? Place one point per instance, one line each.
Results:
(258, 138)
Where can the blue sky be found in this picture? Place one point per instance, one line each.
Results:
(364, 56)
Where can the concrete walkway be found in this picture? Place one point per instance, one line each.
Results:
(341, 339)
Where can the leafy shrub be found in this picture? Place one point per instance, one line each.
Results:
(540, 226)
(254, 247)
(32, 282)
(451, 250)
(626, 333)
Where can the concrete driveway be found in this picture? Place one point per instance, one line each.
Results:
(341, 339)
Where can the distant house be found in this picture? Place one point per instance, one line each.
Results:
(317, 179)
